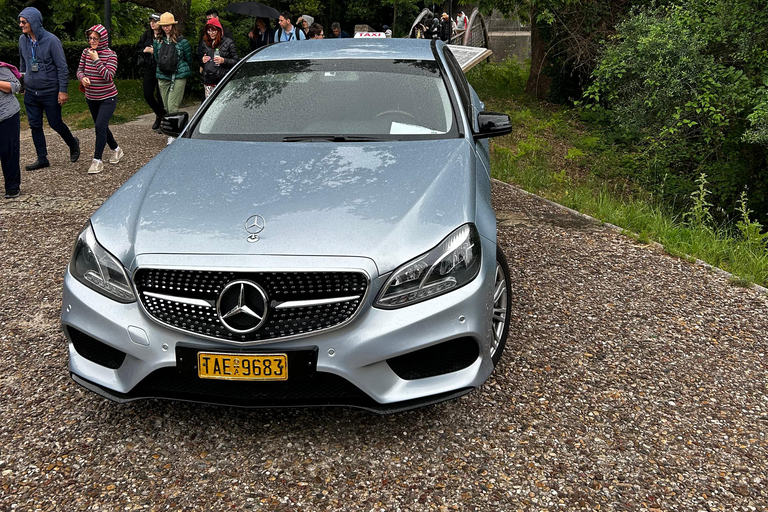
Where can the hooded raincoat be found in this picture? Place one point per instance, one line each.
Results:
(101, 72)
(212, 73)
(44, 53)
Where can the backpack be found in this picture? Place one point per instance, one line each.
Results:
(168, 58)
(296, 35)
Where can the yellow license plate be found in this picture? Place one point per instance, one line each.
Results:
(242, 366)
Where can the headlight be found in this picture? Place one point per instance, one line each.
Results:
(93, 266)
(453, 263)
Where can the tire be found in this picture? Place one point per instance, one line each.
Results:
(502, 306)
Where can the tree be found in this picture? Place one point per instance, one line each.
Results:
(565, 40)
(180, 8)
(406, 7)
(686, 85)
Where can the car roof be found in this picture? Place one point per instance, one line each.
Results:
(351, 48)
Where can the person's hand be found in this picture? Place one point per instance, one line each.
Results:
(218, 60)
(149, 49)
(206, 58)
(85, 81)
(63, 98)
(250, 34)
(93, 54)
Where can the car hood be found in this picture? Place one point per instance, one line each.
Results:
(388, 201)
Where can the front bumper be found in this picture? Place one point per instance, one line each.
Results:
(352, 365)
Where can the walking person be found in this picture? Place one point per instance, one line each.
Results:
(174, 63)
(316, 32)
(445, 28)
(219, 55)
(287, 32)
(303, 23)
(10, 129)
(96, 73)
(336, 32)
(261, 35)
(147, 59)
(44, 67)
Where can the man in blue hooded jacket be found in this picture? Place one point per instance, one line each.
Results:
(45, 78)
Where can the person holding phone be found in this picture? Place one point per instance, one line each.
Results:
(96, 72)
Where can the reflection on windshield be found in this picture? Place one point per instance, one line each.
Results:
(290, 100)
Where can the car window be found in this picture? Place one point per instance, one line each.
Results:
(281, 100)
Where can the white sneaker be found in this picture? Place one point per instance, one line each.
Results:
(170, 139)
(96, 167)
(116, 156)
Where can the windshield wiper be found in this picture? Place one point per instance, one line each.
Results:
(331, 138)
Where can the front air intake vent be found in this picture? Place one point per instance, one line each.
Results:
(95, 351)
(447, 357)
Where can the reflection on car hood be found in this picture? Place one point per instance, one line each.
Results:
(389, 201)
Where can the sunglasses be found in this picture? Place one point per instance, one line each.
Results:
(23, 22)
(93, 38)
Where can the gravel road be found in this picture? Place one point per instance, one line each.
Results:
(631, 381)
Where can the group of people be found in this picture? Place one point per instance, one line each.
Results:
(168, 60)
(442, 27)
(43, 78)
(305, 28)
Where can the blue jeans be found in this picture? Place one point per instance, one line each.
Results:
(37, 103)
(9, 152)
(101, 112)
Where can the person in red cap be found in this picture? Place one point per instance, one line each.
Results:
(219, 54)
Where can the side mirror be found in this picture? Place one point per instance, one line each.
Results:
(173, 124)
(492, 124)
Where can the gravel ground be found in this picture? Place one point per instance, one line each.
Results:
(631, 381)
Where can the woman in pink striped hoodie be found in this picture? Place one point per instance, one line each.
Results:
(96, 73)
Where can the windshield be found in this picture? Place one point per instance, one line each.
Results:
(334, 99)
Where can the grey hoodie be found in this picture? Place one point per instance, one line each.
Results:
(52, 74)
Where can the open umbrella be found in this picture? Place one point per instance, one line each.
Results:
(257, 9)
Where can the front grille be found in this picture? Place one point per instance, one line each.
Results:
(186, 300)
(94, 350)
(447, 357)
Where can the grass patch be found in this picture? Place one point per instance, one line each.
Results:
(554, 154)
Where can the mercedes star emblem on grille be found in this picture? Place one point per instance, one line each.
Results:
(255, 225)
(242, 306)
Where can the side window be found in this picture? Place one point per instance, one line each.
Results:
(461, 82)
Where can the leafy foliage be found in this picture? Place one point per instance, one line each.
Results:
(565, 40)
(686, 83)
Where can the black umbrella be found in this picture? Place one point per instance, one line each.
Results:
(257, 9)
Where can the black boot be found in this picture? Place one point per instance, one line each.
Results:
(74, 153)
(156, 124)
(38, 164)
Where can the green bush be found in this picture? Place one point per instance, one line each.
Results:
(686, 84)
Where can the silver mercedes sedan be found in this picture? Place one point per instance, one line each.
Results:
(320, 233)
